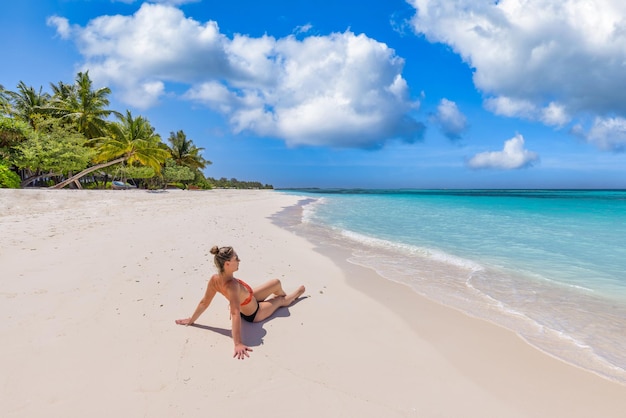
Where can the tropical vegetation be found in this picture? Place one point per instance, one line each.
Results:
(70, 137)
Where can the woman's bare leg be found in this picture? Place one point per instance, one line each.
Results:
(273, 287)
(268, 307)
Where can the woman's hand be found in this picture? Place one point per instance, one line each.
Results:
(186, 321)
(241, 351)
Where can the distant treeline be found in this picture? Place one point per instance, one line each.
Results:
(233, 183)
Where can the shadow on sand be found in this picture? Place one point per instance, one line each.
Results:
(253, 333)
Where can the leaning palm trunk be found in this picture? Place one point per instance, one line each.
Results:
(83, 173)
(36, 177)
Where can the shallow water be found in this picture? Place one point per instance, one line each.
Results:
(548, 265)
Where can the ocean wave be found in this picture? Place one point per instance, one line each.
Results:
(408, 250)
(310, 207)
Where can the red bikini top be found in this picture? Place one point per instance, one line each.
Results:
(250, 293)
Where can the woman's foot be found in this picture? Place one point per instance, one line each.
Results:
(289, 299)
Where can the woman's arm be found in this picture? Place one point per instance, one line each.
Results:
(241, 350)
(202, 306)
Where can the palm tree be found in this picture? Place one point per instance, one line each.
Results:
(62, 91)
(5, 103)
(27, 103)
(132, 140)
(82, 105)
(185, 153)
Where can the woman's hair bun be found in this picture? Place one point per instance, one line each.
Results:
(215, 250)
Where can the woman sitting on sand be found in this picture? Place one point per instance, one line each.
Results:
(245, 303)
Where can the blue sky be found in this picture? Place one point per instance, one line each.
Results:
(370, 93)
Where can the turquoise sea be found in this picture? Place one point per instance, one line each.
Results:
(547, 264)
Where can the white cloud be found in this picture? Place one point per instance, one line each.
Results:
(544, 60)
(312, 91)
(512, 156)
(143, 94)
(450, 119)
(176, 2)
(554, 114)
(168, 2)
(607, 133)
(62, 26)
(304, 28)
(507, 106)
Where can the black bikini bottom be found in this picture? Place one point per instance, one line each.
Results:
(250, 318)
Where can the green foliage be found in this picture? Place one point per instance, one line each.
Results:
(177, 185)
(136, 172)
(53, 149)
(177, 173)
(200, 181)
(203, 184)
(93, 186)
(8, 179)
(12, 132)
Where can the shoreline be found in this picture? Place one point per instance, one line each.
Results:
(557, 378)
(555, 323)
(93, 280)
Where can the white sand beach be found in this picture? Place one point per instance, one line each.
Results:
(92, 281)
